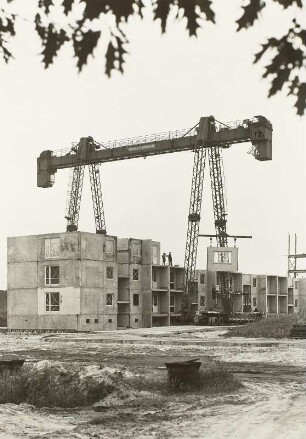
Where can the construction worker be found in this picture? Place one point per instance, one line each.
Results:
(170, 259)
(164, 258)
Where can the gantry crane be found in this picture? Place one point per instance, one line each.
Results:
(208, 135)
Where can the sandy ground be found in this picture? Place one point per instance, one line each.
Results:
(271, 404)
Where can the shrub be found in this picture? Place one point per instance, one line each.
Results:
(272, 327)
(55, 385)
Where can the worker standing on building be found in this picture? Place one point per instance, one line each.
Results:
(164, 258)
(170, 259)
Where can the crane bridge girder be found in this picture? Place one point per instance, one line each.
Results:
(208, 137)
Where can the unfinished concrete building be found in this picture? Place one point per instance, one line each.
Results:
(91, 282)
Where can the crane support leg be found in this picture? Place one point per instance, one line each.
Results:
(96, 193)
(74, 198)
(193, 229)
(218, 194)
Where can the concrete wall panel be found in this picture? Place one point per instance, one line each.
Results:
(22, 249)
(92, 274)
(91, 300)
(69, 301)
(22, 302)
(92, 246)
(69, 246)
(69, 273)
(22, 321)
(22, 275)
(64, 322)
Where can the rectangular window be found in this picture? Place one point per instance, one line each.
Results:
(154, 277)
(52, 247)
(202, 279)
(222, 257)
(87, 320)
(254, 301)
(136, 320)
(172, 303)
(52, 301)
(109, 272)
(254, 282)
(52, 275)
(136, 299)
(135, 274)
(171, 280)
(295, 303)
(96, 320)
(202, 300)
(109, 299)
(110, 247)
(296, 284)
(110, 320)
(154, 255)
(136, 249)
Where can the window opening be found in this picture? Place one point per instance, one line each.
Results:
(254, 301)
(202, 300)
(110, 247)
(109, 272)
(136, 249)
(52, 275)
(254, 282)
(87, 320)
(202, 278)
(136, 299)
(135, 274)
(109, 299)
(52, 301)
(154, 276)
(171, 280)
(222, 257)
(52, 247)
(172, 303)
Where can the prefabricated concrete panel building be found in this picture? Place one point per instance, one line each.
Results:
(62, 281)
(91, 282)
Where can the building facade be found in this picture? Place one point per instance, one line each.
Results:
(90, 282)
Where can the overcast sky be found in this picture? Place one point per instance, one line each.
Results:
(169, 82)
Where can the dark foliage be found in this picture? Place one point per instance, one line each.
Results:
(288, 53)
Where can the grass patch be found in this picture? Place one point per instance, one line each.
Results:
(56, 385)
(272, 327)
(212, 378)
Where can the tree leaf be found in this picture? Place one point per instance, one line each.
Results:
(279, 80)
(115, 55)
(52, 40)
(294, 85)
(121, 10)
(161, 12)
(272, 42)
(205, 7)
(301, 99)
(250, 14)
(287, 3)
(84, 44)
(45, 4)
(67, 5)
